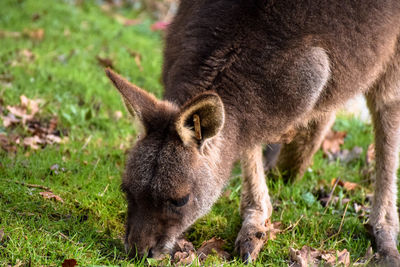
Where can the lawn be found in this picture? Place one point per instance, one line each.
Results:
(56, 51)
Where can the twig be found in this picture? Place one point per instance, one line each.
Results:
(344, 214)
(292, 226)
(86, 142)
(105, 190)
(331, 194)
(30, 185)
(67, 238)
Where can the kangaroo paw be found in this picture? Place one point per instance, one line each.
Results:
(250, 241)
(385, 243)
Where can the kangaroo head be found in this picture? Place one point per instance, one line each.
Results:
(171, 176)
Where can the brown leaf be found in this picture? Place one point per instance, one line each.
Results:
(272, 229)
(304, 257)
(6, 143)
(53, 139)
(26, 110)
(185, 254)
(184, 245)
(214, 245)
(105, 62)
(36, 35)
(370, 156)
(333, 141)
(9, 120)
(69, 263)
(53, 124)
(31, 105)
(308, 256)
(33, 142)
(343, 257)
(349, 186)
(51, 195)
(184, 258)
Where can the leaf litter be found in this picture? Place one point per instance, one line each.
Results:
(310, 257)
(186, 254)
(38, 132)
(51, 195)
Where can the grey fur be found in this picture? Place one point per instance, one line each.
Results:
(280, 69)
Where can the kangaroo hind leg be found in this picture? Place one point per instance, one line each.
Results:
(384, 104)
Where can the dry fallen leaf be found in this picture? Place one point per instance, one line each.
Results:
(349, 186)
(272, 229)
(138, 58)
(42, 132)
(333, 141)
(184, 245)
(310, 257)
(26, 110)
(185, 254)
(51, 195)
(69, 263)
(9, 120)
(184, 258)
(214, 245)
(37, 34)
(6, 143)
(33, 142)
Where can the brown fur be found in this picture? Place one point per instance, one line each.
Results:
(259, 72)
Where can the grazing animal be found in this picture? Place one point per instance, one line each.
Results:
(239, 74)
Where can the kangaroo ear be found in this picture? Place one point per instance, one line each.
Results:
(139, 103)
(200, 118)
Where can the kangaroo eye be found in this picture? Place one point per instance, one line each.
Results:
(180, 201)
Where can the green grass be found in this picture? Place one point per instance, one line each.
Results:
(89, 225)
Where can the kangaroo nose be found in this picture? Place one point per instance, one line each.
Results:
(150, 254)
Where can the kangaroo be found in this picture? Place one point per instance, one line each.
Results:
(242, 74)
